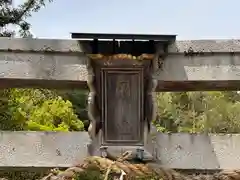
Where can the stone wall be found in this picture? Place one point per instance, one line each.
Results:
(60, 149)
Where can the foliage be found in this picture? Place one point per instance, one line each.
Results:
(31, 109)
(17, 16)
(23, 175)
(41, 109)
(78, 98)
(92, 173)
(216, 112)
(5, 115)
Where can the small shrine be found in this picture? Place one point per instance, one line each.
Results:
(121, 98)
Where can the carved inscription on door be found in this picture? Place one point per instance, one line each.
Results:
(122, 107)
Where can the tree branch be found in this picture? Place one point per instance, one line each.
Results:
(20, 16)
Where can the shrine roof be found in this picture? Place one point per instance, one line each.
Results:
(154, 37)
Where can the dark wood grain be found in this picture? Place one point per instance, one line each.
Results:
(122, 104)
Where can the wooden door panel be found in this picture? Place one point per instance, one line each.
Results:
(122, 112)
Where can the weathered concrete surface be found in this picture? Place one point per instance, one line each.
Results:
(200, 65)
(47, 60)
(180, 150)
(199, 151)
(217, 67)
(40, 62)
(40, 45)
(219, 71)
(39, 149)
(66, 46)
(42, 66)
(217, 46)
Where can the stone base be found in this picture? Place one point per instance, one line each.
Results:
(144, 153)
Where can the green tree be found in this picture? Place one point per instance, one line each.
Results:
(41, 109)
(78, 98)
(31, 109)
(216, 112)
(5, 114)
(17, 16)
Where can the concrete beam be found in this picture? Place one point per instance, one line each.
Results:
(42, 149)
(50, 63)
(41, 45)
(200, 65)
(42, 69)
(204, 72)
(206, 46)
(42, 63)
(199, 151)
(60, 149)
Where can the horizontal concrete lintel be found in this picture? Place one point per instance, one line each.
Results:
(40, 66)
(42, 149)
(69, 45)
(199, 151)
(199, 68)
(64, 149)
(214, 45)
(178, 72)
(41, 45)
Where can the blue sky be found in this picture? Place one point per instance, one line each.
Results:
(189, 19)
